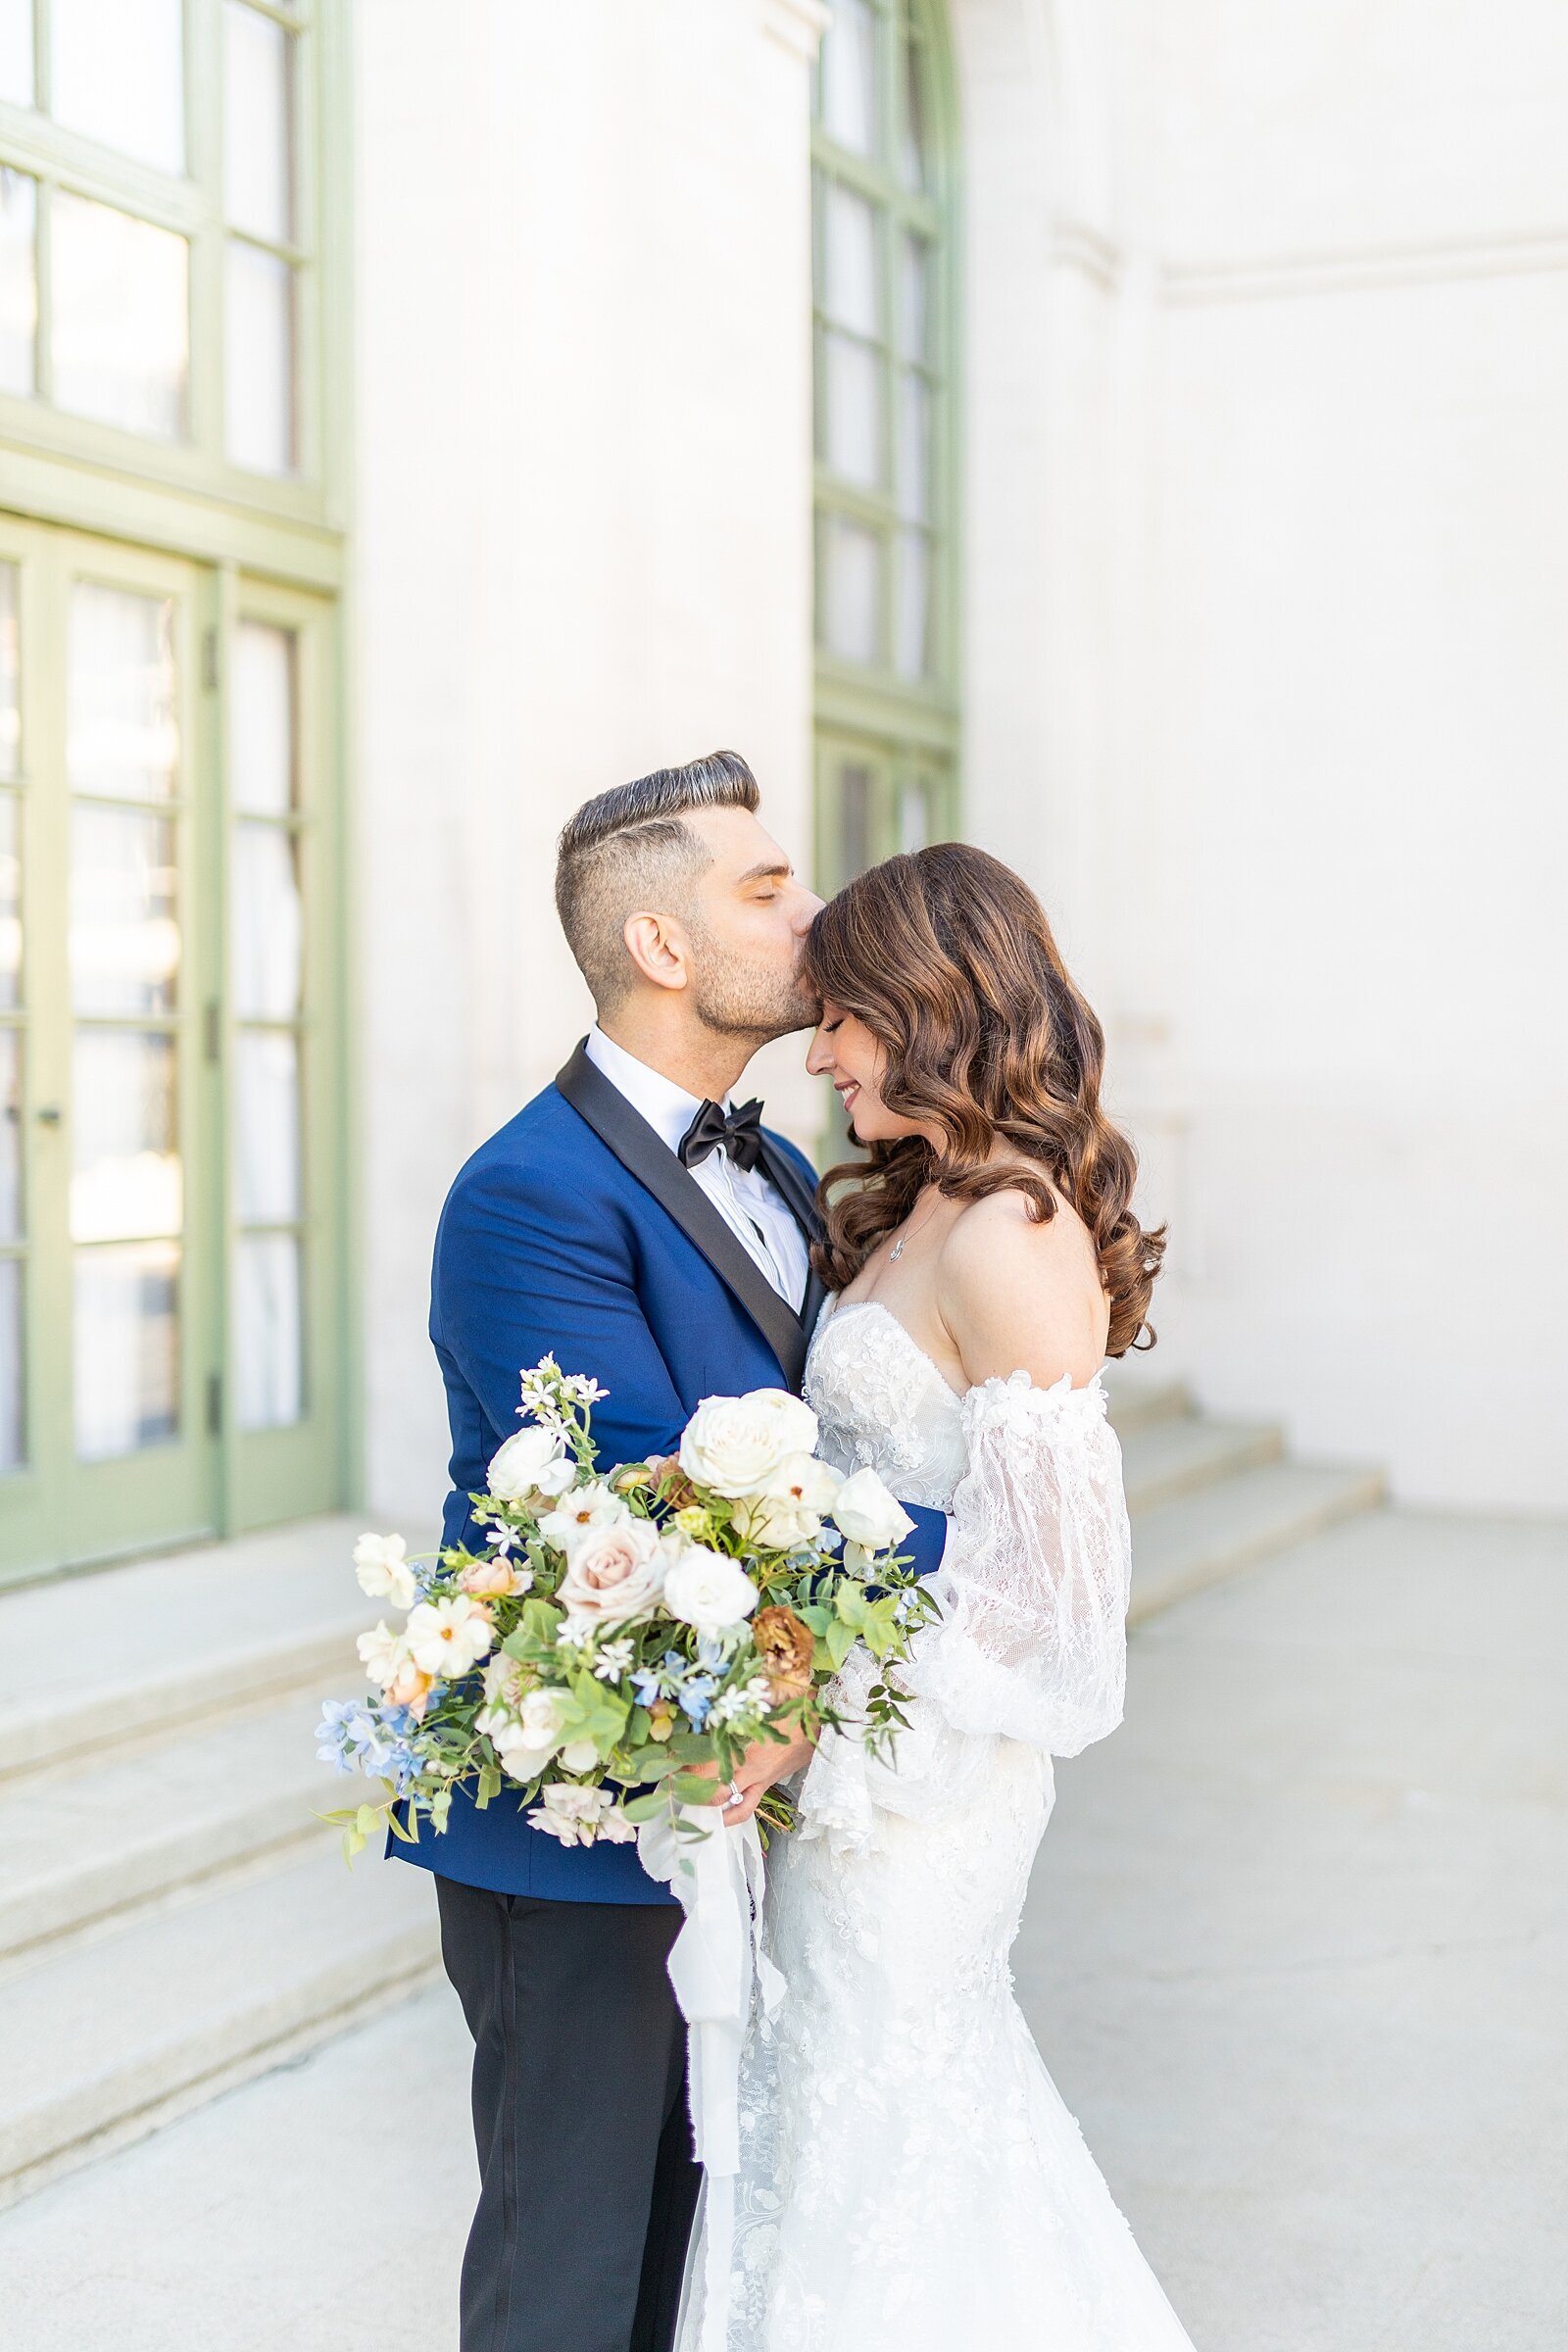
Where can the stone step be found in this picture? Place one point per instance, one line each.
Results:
(110, 2037)
(1164, 1460)
(1137, 1399)
(89, 1839)
(141, 1650)
(1181, 1547)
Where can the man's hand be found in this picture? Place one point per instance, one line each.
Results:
(762, 1765)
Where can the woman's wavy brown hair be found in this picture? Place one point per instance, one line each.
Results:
(949, 960)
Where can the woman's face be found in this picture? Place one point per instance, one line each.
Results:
(844, 1051)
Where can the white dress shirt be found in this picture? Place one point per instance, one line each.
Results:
(747, 1199)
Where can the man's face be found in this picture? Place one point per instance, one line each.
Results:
(748, 922)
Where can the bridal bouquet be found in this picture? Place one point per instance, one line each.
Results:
(628, 1633)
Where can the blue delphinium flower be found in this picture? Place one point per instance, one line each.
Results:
(696, 1698)
(356, 1735)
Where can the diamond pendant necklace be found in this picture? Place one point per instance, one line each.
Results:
(897, 1250)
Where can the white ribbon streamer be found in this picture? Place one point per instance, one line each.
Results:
(716, 1961)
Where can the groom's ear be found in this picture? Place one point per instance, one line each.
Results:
(659, 947)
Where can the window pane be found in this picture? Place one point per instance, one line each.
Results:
(126, 1348)
(913, 135)
(116, 73)
(120, 330)
(124, 912)
(9, 1135)
(257, 123)
(267, 1129)
(912, 651)
(10, 902)
(849, 289)
(268, 923)
(13, 1428)
(914, 300)
(268, 1331)
(852, 590)
(125, 1173)
(15, 52)
(10, 672)
(262, 737)
(915, 448)
(914, 818)
(259, 360)
(849, 76)
(122, 733)
(19, 281)
(851, 404)
(855, 821)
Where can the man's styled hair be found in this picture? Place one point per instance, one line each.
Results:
(628, 849)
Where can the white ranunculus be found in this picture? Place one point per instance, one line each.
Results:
(735, 1443)
(579, 1756)
(790, 1508)
(615, 1573)
(380, 1562)
(579, 1816)
(448, 1638)
(533, 1462)
(869, 1514)
(708, 1590)
(383, 1654)
(576, 1515)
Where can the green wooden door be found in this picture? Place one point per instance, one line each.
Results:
(170, 1196)
(109, 1324)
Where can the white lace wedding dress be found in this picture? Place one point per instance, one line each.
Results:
(911, 2180)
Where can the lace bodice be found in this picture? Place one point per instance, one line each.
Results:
(882, 1404)
(1035, 1581)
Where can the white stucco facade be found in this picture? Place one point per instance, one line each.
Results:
(1266, 497)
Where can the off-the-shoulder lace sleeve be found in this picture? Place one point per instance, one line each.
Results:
(1035, 1581)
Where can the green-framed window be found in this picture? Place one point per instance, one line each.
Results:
(884, 274)
(172, 1212)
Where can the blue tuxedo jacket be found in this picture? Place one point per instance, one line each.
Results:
(576, 1232)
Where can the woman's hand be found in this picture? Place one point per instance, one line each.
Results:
(763, 1764)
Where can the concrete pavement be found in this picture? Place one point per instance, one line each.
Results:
(1297, 1953)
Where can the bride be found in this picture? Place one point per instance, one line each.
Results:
(911, 2180)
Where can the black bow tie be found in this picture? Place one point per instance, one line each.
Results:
(739, 1131)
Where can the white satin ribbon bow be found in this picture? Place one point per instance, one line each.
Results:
(715, 1960)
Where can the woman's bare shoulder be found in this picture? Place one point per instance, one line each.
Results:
(1021, 1293)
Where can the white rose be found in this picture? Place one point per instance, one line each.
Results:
(527, 1738)
(709, 1591)
(380, 1562)
(615, 1573)
(735, 1443)
(869, 1514)
(534, 1461)
(578, 1513)
(448, 1638)
(789, 1510)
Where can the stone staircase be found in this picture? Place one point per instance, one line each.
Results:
(174, 1919)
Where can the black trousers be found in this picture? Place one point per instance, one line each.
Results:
(587, 2181)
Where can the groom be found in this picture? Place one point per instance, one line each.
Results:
(636, 1225)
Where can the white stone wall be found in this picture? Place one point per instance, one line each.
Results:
(1358, 722)
(583, 448)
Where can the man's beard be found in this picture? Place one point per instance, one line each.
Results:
(741, 999)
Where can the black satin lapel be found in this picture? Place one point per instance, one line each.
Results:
(800, 1197)
(655, 1168)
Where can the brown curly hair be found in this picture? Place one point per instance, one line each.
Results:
(949, 960)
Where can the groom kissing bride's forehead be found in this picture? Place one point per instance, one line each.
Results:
(643, 1229)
